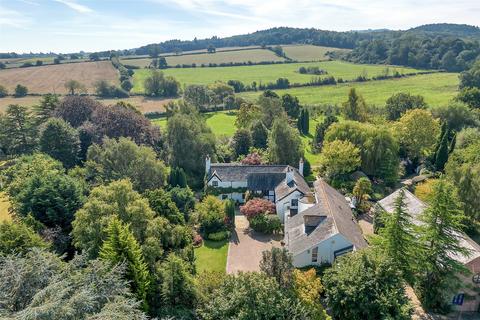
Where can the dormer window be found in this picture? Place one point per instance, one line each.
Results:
(215, 183)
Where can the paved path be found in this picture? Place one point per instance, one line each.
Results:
(246, 247)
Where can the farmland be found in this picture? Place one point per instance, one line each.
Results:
(268, 73)
(51, 78)
(253, 55)
(221, 123)
(144, 104)
(436, 88)
(309, 52)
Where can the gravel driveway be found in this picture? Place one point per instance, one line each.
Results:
(246, 247)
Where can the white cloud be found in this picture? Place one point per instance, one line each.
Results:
(75, 6)
(13, 19)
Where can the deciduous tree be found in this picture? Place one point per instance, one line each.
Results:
(383, 297)
(339, 157)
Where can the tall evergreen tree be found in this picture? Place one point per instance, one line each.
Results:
(354, 108)
(259, 135)
(306, 122)
(300, 121)
(439, 235)
(122, 247)
(452, 143)
(397, 238)
(441, 156)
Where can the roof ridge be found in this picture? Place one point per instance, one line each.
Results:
(325, 198)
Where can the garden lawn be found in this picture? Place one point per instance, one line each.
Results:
(211, 256)
(436, 88)
(4, 205)
(268, 73)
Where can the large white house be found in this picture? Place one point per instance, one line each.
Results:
(319, 225)
(324, 231)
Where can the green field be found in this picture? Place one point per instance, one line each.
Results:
(211, 256)
(267, 73)
(221, 123)
(437, 89)
(308, 52)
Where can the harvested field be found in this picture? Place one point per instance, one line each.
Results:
(27, 101)
(254, 55)
(144, 104)
(309, 52)
(52, 78)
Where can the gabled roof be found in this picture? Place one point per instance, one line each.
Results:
(415, 207)
(337, 218)
(283, 189)
(412, 204)
(240, 172)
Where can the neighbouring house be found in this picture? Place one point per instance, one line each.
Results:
(319, 226)
(324, 231)
(282, 184)
(467, 298)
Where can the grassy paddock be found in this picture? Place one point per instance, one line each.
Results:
(436, 88)
(267, 73)
(211, 256)
(221, 122)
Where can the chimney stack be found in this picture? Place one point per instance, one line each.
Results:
(289, 175)
(300, 166)
(207, 164)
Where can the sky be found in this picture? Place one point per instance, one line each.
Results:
(65, 26)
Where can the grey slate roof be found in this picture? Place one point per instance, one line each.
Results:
(283, 189)
(240, 172)
(261, 177)
(412, 204)
(264, 181)
(337, 219)
(415, 207)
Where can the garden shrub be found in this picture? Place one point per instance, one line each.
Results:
(267, 224)
(219, 236)
(197, 240)
(257, 206)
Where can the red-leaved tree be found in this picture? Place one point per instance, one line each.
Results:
(252, 159)
(256, 207)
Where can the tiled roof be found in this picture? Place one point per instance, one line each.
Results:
(240, 172)
(338, 218)
(283, 189)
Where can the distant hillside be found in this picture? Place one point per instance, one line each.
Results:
(455, 30)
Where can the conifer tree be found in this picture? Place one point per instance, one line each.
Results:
(354, 108)
(300, 121)
(306, 122)
(439, 236)
(441, 157)
(452, 143)
(397, 238)
(122, 247)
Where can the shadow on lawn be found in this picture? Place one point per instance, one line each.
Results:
(214, 244)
